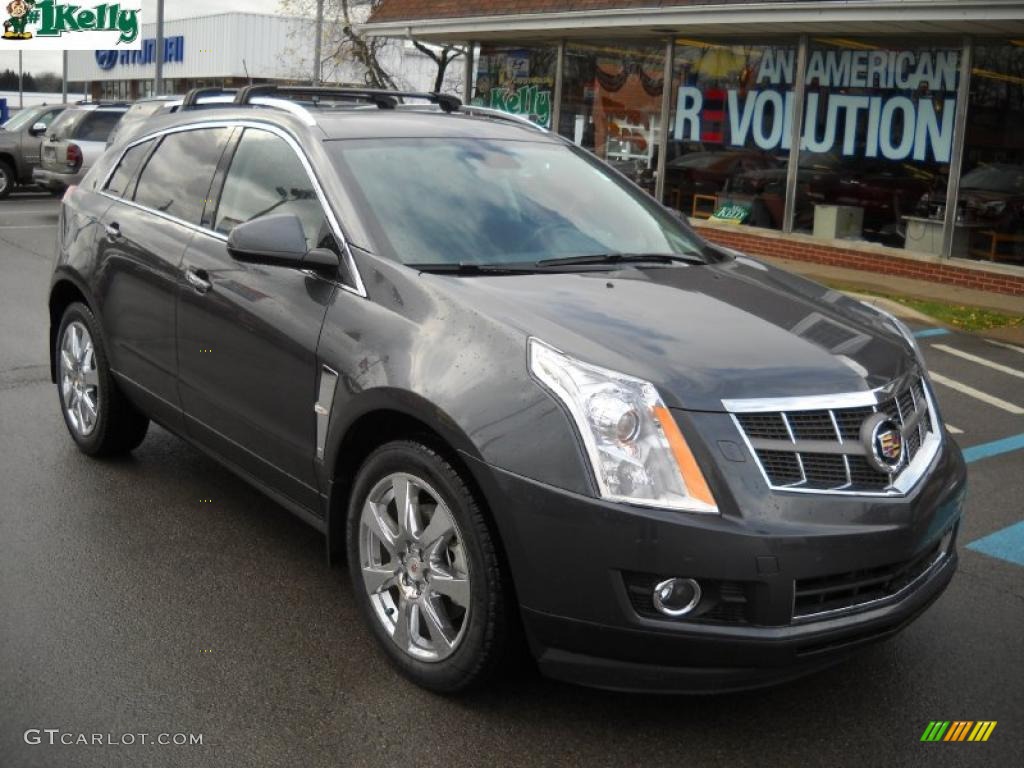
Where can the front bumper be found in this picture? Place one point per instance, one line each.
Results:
(573, 557)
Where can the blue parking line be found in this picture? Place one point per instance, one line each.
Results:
(930, 332)
(996, 447)
(1007, 544)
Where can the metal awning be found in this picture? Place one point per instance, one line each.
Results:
(874, 18)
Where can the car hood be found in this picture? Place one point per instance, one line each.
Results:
(701, 334)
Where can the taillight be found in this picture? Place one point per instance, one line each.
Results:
(74, 156)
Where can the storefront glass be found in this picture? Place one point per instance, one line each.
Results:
(611, 103)
(517, 79)
(730, 128)
(877, 141)
(991, 198)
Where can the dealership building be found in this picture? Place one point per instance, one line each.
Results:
(230, 50)
(874, 134)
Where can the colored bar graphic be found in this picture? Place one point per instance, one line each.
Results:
(958, 730)
(928, 332)
(935, 730)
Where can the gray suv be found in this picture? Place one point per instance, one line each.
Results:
(20, 138)
(520, 394)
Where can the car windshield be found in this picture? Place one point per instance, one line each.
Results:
(995, 178)
(23, 119)
(476, 201)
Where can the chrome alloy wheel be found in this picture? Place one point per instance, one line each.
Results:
(414, 567)
(79, 379)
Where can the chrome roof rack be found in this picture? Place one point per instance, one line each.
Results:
(299, 99)
(384, 99)
(193, 96)
(497, 114)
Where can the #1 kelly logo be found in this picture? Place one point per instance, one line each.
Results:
(52, 25)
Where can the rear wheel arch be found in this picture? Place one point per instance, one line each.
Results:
(63, 293)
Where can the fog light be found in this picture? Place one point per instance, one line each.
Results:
(676, 597)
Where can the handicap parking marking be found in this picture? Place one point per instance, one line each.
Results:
(1006, 544)
(979, 360)
(928, 332)
(977, 394)
(994, 448)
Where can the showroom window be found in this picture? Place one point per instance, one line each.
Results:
(611, 103)
(877, 141)
(730, 130)
(517, 79)
(991, 198)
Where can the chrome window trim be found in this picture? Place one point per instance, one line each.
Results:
(359, 289)
(904, 483)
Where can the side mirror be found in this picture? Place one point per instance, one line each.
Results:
(38, 129)
(279, 240)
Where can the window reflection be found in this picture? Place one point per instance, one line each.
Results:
(877, 140)
(611, 104)
(991, 204)
(730, 130)
(517, 79)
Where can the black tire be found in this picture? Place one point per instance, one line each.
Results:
(486, 638)
(119, 426)
(8, 180)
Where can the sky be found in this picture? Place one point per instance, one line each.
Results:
(50, 61)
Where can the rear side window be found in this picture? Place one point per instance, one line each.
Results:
(65, 124)
(97, 126)
(125, 172)
(267, 177)
(177, 176)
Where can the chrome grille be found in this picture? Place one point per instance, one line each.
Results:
(820, 449)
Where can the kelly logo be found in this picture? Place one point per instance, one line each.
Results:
(54, 25)
(958, 730)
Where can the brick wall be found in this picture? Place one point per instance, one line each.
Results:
(890, 262)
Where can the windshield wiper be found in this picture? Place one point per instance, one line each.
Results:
(621, 258)
(474, 268)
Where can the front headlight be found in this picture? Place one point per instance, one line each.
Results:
(635, 448)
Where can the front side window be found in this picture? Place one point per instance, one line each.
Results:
(266, 177)
(451, 200)
(177, 176)
(119, 181)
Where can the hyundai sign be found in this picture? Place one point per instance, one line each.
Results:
(174, 51)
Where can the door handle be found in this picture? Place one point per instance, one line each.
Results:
(113, 230)
(198, 279)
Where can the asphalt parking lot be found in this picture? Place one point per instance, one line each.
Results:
(128, 605)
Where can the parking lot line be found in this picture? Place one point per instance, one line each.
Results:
(996, 447)
(1004, 345)
(977, 394)
(953, 430)
(1006, 544)
(979, 360)
(931, 332)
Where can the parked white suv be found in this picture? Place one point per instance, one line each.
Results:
(73, 142)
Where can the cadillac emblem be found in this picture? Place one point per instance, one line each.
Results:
(883, 440)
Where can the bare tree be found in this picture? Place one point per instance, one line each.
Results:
(344, 46)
